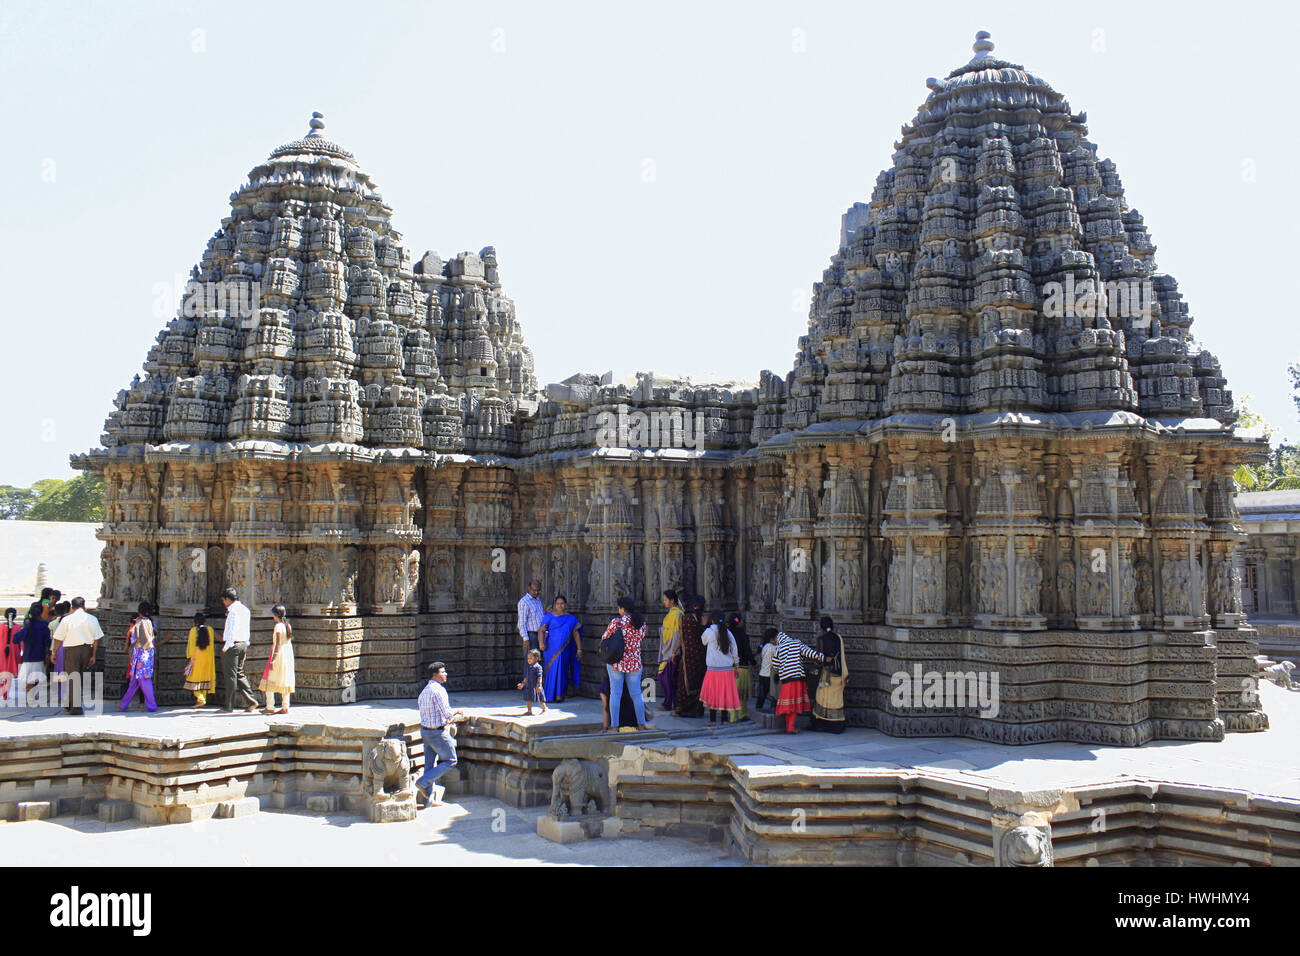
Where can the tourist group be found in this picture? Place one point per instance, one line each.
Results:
(57, 645)
(705, 666)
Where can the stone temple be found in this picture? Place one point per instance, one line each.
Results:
(1000, 449)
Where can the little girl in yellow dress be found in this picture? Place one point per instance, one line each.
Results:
(278, 678)
(201, 671)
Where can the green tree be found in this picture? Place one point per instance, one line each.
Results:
(15, 502)
(1282, 469)
(76, 499)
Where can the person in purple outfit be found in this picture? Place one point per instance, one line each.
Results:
(140, 670)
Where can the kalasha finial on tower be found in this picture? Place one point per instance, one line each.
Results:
(317, 124)
(983, 45)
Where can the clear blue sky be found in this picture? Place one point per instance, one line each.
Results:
(528, 126)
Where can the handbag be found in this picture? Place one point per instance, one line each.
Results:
(611, 648)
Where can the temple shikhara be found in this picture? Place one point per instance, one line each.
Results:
(1000, 449)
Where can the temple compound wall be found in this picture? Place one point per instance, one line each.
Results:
(1000, 451)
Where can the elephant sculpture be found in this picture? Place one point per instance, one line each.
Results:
(578, 787)
(387, 769)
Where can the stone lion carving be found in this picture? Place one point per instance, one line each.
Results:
(386, 769)
(578, 787)
(1024, 846)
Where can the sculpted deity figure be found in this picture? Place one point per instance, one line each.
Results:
(923, 584)
(1065, 586)
(443, 575)
(138, 578)
(348, 578)
(268, 576)
(1030, 581)
(621, 578)
(997, 573)
(1127, 584)
(849, 580)
(712, 576)
(108, 571)
(413, 572)
(765, 580)
(557, 570)
(800, 583)
(1143, 587)
(316, 575)
(952, 587)
(1177, 580)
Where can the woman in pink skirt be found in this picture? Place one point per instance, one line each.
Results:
(719, 693)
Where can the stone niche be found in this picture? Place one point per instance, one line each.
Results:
(1000, 452)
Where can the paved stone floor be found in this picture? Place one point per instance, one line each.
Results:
(483, 831)
(577, 715)
(473, 831)
(1266, 763)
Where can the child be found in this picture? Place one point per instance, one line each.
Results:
(531, 685)
(744, 662)
(140, 670)
(200, 651)
(718, 692)
(279, 676)
(790, 655)
(58, 676)
(768, 687)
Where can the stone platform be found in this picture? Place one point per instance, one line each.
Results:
(1279, 637)
(861, 797)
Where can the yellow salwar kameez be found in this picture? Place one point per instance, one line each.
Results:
(202, 679)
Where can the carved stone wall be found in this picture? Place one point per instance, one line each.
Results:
(979, 465)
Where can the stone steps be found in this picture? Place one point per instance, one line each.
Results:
(816, 817)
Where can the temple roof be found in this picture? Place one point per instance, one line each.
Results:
(306, 321)
(997, 266)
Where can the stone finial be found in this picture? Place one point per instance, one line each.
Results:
(317, 124)
(983, 45)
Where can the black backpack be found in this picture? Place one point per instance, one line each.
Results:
(611, 648)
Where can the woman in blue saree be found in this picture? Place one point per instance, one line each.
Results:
(560, 637)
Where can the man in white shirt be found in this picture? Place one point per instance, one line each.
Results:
(234, 648)
(530, 616)
(79, 635)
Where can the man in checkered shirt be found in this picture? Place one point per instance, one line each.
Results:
(530, 616)
(436, 718)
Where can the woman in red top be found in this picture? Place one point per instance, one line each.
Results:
(628, 669)
(11, 655)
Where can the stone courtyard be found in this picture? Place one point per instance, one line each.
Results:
(685, 795)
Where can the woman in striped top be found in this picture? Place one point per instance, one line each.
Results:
(789, 664)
